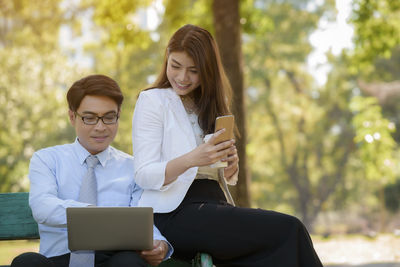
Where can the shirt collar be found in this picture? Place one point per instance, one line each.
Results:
(82, 153)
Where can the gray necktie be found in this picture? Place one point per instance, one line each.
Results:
(87, 194)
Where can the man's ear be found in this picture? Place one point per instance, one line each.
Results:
(72, 117)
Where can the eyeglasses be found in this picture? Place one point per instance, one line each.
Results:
(90, 119)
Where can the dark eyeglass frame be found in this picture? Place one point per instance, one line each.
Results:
(83, 117)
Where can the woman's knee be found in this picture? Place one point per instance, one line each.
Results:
(294, 223)
(31, 259)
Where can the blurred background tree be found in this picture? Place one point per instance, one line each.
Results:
(375, 66)
(33, 77)
(314, 150)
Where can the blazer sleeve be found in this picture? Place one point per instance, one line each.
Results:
(147, 136)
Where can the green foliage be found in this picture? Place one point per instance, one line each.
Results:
(372, 165)
(37, 22)
(33, 78)
(374, 140)
(117, 23)
(123, 50)
(273, 35)
(386, 69)
(181, 12)
(299, 136)
(377, 29)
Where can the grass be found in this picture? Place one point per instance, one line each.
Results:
(10, 249)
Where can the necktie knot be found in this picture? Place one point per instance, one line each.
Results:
(92, 161)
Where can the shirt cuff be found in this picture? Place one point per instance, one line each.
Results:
(159, 236)
(170, 251)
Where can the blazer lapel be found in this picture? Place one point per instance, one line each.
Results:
(175, 104)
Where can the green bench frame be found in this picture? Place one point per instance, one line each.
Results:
(17, 223)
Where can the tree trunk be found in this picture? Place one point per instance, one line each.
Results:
(227, 32)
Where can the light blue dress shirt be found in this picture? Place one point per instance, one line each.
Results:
(56, 174)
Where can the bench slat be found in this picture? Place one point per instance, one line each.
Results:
(16, 221)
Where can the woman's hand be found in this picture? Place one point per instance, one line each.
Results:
(209, 152)
(203, 155)
(233, 163)
(155, 256)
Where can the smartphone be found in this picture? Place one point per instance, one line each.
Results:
(226, 122)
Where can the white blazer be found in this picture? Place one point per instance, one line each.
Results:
(161, 131)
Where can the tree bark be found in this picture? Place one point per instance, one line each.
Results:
(227, 32)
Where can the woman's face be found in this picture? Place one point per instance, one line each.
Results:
(182, 73)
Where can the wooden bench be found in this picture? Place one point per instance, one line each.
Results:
(17, 223)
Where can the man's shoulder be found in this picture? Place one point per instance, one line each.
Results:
(53, 154)
(57, 149)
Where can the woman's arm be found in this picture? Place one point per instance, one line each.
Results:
(147, 137)
(203, 155)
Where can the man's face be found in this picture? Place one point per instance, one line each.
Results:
(95, 138)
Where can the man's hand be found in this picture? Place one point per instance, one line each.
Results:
(157, 254)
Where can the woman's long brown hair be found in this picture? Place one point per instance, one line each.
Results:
(213, 97)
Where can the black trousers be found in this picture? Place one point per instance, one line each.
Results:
(235, 236)
(102, 259)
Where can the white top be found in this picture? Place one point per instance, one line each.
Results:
(204, 172)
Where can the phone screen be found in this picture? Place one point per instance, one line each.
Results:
(226, 122)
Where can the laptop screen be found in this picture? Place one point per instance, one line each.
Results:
(110, 228)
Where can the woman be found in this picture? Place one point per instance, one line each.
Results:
(172, 164)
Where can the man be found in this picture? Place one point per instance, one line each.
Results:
(57, 176)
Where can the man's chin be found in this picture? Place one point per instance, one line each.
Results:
(100, 140)
(97, 148)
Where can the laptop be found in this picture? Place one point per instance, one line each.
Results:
(110, 228)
